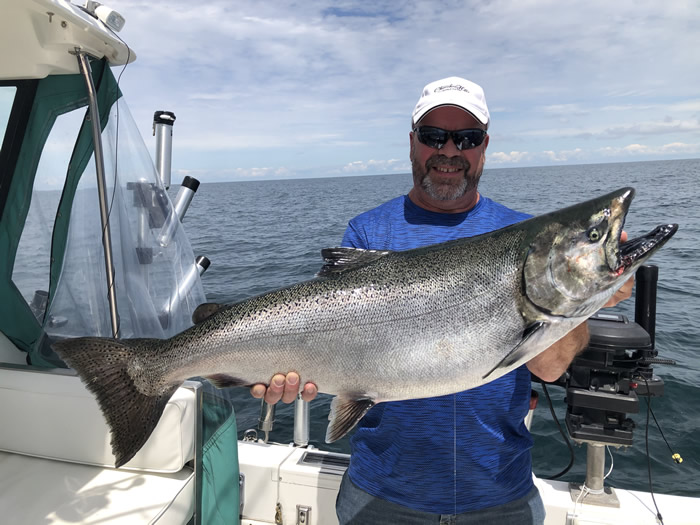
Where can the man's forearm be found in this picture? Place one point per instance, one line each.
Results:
(553, 362)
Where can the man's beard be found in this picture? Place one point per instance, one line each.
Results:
(447, 188)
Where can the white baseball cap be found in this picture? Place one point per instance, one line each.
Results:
(453, 91)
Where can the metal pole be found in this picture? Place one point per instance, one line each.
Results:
(177, 214)
(163, 122)
(94, 115)
(200, 266)
(266, 422)
(595, 467)
(645, 302)
(301, 422)
(594, 491)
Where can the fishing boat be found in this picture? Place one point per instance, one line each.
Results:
(91, 243)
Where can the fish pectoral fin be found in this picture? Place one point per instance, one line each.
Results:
(339, 260)
(346, 411)
(520, 351)
(205, 311)
(226, 381)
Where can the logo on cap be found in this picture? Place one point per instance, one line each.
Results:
(448, 87)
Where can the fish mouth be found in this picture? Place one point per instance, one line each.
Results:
(634, 250)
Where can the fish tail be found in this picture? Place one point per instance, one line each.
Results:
(103, 365)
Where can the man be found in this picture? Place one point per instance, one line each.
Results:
(461, 458)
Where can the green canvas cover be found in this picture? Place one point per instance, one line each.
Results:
(220, 486)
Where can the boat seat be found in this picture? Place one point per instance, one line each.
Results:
(56, 464)
(35, 490)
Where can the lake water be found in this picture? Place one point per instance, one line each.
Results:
(267, 234)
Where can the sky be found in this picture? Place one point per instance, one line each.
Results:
(292, 89)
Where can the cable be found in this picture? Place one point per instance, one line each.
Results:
(561, 431)
(674, 455)
(612, 463)
(646, 443)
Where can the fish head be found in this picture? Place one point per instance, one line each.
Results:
(576, 260)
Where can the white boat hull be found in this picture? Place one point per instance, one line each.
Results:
(275, 474)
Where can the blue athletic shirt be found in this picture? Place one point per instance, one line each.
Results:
(449, 454)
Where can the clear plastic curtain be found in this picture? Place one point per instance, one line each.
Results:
(149, 267)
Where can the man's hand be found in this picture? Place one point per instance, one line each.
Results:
(625, 291)
(285, 388)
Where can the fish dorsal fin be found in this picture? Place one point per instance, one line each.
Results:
(520, 350)
(346, 411)
(205, 311)
(339, 260)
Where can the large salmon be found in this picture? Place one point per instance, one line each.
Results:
(378, 326)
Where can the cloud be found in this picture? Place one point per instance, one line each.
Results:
(501, 157)
(236, 174)
(687, 106)
(376, 166)
(674, 148)
(581, 155)
(328, 83)
(211, 96)
(564, 156)
(566, 110)
(680, 147)
(665, 126)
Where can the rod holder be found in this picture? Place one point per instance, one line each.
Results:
(301, 422)
(163, 130)
(182, 203)
(184, 196)
(200, 266)
(266, 421)
(647, 277)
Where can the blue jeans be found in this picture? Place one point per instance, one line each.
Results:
(355, 507)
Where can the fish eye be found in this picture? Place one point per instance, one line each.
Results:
(594, 234)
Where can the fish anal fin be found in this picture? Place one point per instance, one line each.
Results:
(346, 411)
(226, 381)
(339, 260)
(520, 350)
(205, 311)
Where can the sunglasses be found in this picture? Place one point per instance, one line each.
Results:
(437, 137)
